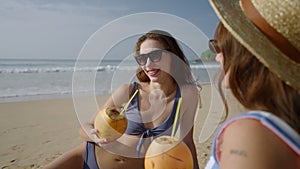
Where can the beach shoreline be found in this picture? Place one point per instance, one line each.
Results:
(33, 133)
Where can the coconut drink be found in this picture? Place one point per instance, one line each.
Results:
(168, 153)
(110, 124)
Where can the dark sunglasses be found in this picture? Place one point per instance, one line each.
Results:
(213, 46)
(154, 56)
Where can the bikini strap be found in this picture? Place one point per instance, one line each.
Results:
(134, 88)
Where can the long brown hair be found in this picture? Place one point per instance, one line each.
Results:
(182, 71)
(253, 84)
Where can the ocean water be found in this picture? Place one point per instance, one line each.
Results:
(22, 80)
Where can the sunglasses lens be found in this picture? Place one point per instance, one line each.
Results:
(141, 59)
(154, 56)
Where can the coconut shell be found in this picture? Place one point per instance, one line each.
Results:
(110, 124)
(168, 153)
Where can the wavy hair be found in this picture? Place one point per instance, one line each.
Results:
(253, 84)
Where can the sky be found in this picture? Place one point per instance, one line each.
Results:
(59, 29)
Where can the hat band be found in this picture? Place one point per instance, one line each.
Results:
(277, 39)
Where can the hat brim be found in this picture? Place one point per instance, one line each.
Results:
(237, 23)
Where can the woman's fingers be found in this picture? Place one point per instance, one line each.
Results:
(96, 138)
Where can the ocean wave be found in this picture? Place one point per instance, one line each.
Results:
(57, 69)
(205, 66)
(82, 69)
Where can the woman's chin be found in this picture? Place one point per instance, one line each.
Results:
(153, 79)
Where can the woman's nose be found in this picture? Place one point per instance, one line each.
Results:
(148, 62)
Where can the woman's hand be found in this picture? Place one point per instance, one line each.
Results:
(117, 99)
(100, 141)
(89, 133)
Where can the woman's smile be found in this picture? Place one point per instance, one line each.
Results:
(153, 72)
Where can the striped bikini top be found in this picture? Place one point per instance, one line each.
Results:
(280, 128)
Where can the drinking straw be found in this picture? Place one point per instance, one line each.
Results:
(127, 104)
(176, 117)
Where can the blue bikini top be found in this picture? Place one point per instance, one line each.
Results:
(135, 125)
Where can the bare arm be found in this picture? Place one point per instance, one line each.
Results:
(189, 108)
(188, 140)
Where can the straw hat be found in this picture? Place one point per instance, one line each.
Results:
(269, 29)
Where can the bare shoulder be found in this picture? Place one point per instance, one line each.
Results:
(189, 92)
(246, 143)
(119, 96)
(123, 88)
(249, 128)
(190, 95)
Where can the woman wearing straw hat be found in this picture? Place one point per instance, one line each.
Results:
(258, 46)
(165, 78)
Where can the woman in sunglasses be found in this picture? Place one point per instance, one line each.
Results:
(164, 78)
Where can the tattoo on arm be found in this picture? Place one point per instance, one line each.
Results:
(242, 153)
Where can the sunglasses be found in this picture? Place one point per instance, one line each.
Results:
(213, 46)
(154, 56)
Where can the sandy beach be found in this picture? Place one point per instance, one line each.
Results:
(33, 133)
